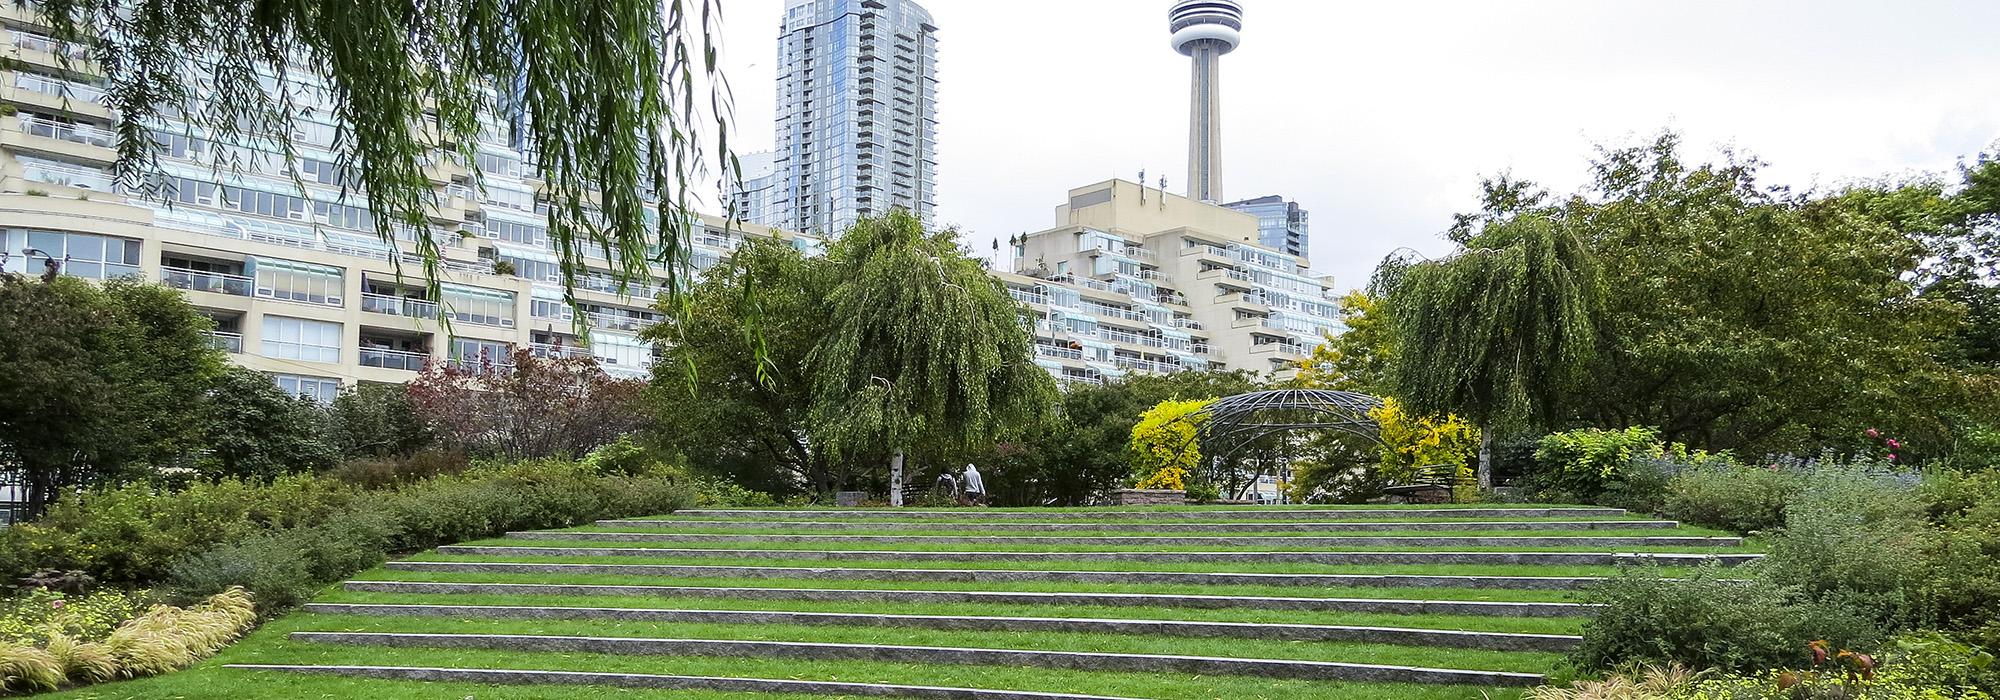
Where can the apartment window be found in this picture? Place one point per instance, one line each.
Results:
(517, 232)
(468, 351)
(343, 216)
(56, 172)
(328, 173)
(287, 338)
(180, 145)
(551, 309)
(302, 282)
(496, 164)
(321, 389)
(478, 305)
(89, 256)
(249, 201)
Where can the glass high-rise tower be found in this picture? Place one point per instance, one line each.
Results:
(1281, 224)
(856, 115)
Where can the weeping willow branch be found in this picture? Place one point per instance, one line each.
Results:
(1497, 330)
(608, 87)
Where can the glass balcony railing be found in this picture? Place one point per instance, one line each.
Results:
(199, 281)
(551, 351)
(386, 358)
(231, 343)
(398, 306)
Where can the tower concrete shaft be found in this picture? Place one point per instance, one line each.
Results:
(1204, 183)
(1204, 30)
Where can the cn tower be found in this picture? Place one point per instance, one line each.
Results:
(1204, 30)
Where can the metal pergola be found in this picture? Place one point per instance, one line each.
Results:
(1233, 422)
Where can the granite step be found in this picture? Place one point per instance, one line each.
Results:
(1087, 661)
(495, 676)
(991, 575)
(1159, 600)
(1457, 639)
(1314, 515)
(1143, 540)
(828, 525)
(1325, 558)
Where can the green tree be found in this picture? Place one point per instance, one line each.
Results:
(1495, 331)
(1358, 359)
(1741, 316)
(925, 352)
(253, 429)
(608, 89)
(98, 383)
(376, 421)
(748, 329)
(1081, 454)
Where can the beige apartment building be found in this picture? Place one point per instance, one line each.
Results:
(1136, 280)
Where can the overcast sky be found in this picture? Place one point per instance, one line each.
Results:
(1380, 117)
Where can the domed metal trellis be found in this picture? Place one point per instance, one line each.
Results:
(1233, 422)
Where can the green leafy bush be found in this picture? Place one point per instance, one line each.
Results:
(386, 472)
(718, 491)
(287, 566)
(1577, 465)
(1743, 498)
(31, 617)
(132, 534)
(1708, 620)
(1924, 666)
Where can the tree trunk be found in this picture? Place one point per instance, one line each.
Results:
(1485, 458)
(896, 480)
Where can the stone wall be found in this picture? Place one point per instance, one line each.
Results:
(1149, 497)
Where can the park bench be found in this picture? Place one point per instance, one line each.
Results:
(1431, 483)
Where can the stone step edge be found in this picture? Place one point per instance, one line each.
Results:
(1407, 636)
(890, 574)
(1524, 525)
(655, 681)
(1165, 600)
(1087, 661)
(1156, 540)
(1293, 557)
(1303, 515)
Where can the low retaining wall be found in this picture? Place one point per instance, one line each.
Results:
(1149, 497)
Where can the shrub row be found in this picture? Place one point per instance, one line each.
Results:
(287, 566)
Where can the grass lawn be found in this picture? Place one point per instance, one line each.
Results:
(1477, 594)
(1538, 625)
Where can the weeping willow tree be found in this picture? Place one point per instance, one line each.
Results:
(925, 350)
(1493, 332)
(607, 89)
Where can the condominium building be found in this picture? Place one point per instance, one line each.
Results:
(1137, 280)
(1281, 224)
(285, 258)
(856, 116)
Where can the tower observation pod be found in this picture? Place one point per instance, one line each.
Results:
(1204, 30)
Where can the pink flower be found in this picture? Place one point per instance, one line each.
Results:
(1895, 445)
(1892, 456)
(57, 604)
(1873, 433)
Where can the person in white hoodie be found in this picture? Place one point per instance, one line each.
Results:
(975, 487)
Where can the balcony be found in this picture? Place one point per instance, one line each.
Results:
(394, 359)
(231, 343)
(552, 351)
(1027, 297)
(87, 134)
(214, 282)
(398, 306)
(619, 322)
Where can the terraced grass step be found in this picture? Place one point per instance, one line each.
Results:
(1125, 540)
(1206, 578)
(1325, 558)
(1191, 513)
(1096, 661)
(655, 681)
(1500, 641)
(1392, 606)
(1381, 526)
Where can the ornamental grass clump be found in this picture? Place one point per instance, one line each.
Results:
(25, 668)
(83, 662)
(168, 639)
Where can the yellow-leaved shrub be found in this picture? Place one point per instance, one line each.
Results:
(1163, 449)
